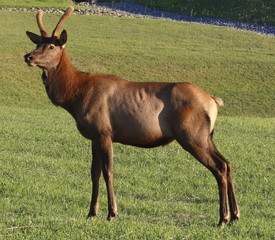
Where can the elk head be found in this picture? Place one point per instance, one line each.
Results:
(49, 49)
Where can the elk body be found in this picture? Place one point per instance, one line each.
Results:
(109, 109)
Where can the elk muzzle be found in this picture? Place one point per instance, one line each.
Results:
(29, 58)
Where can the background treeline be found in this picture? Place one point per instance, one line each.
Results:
(258, 11)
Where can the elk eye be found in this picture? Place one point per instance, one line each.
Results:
(51, 47)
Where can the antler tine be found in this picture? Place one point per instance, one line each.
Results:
(68, 12)
(39, 16)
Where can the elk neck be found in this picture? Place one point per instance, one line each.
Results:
(63, 82)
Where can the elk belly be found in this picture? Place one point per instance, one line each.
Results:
(141, 131)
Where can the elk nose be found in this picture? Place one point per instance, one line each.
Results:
(28, 57)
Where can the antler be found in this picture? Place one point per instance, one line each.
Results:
(39, 16)
(68, 12)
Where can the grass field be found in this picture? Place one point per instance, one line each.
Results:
(162, 193)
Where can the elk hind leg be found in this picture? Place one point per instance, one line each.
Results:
(233, 205)
(200, 150)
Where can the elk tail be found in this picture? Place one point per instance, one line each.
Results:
(218, 100)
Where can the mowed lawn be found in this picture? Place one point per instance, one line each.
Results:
(162, 193)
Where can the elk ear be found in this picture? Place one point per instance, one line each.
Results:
(34, 37)
(63, 38)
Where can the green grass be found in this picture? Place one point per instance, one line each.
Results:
(258, 11)
(162, 193)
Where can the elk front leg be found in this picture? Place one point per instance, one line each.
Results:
(95, 174)
(103, 155)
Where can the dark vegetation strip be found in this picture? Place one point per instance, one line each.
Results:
(256, 11)
(139, 10)
(131, 9)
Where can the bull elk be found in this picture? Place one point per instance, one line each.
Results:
(109, 109)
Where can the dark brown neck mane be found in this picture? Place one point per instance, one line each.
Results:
(63, 84)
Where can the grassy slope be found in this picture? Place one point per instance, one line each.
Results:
(36, 3)
(44, 174)
(237, 66)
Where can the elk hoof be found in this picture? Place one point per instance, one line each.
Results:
(234, 219)
(111, 217)
(223, 223)
(91, 216)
